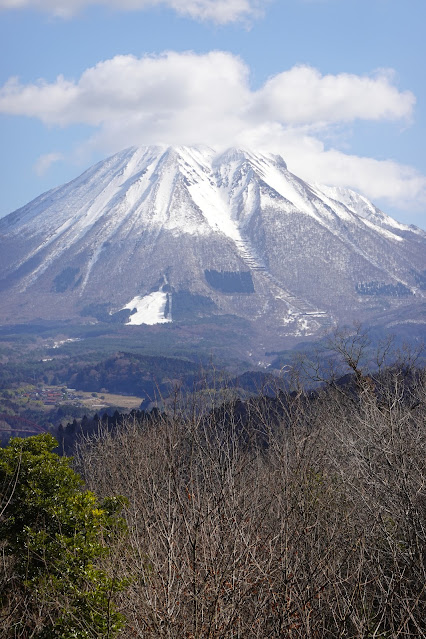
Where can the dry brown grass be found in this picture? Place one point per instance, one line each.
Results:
(125, 402)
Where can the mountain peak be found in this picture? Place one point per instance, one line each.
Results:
(242, 154)
(185, 231)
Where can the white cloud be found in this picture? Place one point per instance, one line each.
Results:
(219, 11)
(302, 95)
(185, 98)
(158, 92)
(44, 162)
(214, 85)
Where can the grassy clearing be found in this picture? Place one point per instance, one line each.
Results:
(104, 400)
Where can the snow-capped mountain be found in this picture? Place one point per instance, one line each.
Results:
(162, 234)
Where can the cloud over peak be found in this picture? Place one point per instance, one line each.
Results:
(215, 85)
(187, 98)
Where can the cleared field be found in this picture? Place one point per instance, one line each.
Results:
(103, 400)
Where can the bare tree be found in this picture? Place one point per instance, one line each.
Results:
(300, 516)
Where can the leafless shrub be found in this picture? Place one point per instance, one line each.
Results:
(305, 519)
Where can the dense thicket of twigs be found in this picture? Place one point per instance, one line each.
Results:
(299, 517)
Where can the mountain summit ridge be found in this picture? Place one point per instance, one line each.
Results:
(236, 229)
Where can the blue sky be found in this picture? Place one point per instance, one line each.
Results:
(336, 86)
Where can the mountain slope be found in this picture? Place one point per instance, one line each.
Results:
(162, 234)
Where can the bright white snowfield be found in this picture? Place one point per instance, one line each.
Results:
(150, 309)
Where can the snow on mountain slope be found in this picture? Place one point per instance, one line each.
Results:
(235, 233)
(149, 309)
(362, 207)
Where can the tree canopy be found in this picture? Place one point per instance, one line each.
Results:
(53, 536)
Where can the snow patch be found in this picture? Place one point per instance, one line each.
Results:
(59, 343)
(150, 309)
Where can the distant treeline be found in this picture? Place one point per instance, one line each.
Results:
(68, 435)
(122, 372)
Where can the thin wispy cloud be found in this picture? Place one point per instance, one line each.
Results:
(185, 98)
(44, 162)
(218, 11)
